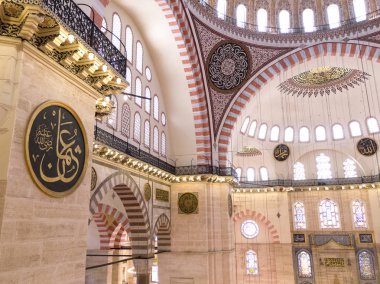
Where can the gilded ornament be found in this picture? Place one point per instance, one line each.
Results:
(56, 148)
(48, 23)
(249, 151)
(147, 192)
(162, 195)
(188, 203)
(367, 146)
(94, 178)
(323, 81)
(12, 9)
(228, 66)
(281, 152)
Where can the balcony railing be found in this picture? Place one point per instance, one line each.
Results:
(73, 17)
(123, 146)
(202, 4)
(308, 182)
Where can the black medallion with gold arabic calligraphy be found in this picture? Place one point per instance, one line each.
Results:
(281, 152)
(187, 203)
(367, 146)
(56, 148)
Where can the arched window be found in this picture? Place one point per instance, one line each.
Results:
(304, 264)
(125, 120)
(323, 166)
(320, 133)
(337, 132)
(238, 173)
(329, 214)
(116, 30)
(262, 20)
(128, 77)
(304, 134)
(275, 133)
(251, 263)
(308, 20)
(155, 139)
(148, 74)
(262, 131)
(289, 134)
(138, 91)
(137, 128)
(366, 265)
(299, 171)
(112, 118)
(250, 174)
(139, 57)
(360, 10)
(244, 126)
(129, 43)
(333, 16)
(349, 169)
(221, 7)
(104, 26)
(358, 212)
(252, 128)
(373, 125)
(264, 174)
(147, 102)
(241, 15)
(155, 108)
(147, 133)
(163, 119)
(284, 20)
(163, 144)
(355, 129)
(299, 216)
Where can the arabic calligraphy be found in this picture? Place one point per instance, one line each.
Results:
(281, 152)
(367, 146)
(56, 149)
(334, 262)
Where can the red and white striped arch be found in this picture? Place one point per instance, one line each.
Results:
(261, 220)
(180, 27)
(363, 50)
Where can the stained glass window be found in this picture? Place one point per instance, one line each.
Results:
(251, 263)
(358, 211)
(289, 134)
(323, 166)
(116, 30)
(329, 214)
(360, 10)
(125, 120)
(129, 43)
(284, 20)
(262, 131)
(163, 144)
(304, 264)
(221, 7)
(139, 57)
(155, 139)
(373, 125)
(262, 20)
(308, 20)
(252, 128)
(264, 173)
(320, 133)
(147, 133)
(250, 174)
(355, 129)
(299, 171)
(137, 127)
(244, 126)
(304, 134)
(333, 16)
(241, 15)
(299, 215)
(366, 266)
(349, 169)
(275, 133)
(147, 102)
(249, 229)
(128, 77)
(337, 132)
(155, 107)
(138, 91)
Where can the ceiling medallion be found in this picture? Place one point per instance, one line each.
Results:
(281, 152)
(323, 80)
(367, 146)
(228, 66)
(249, 151)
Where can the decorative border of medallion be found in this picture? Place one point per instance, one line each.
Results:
(188, 203)
(147, 192)
(94, 178)
(57, 166)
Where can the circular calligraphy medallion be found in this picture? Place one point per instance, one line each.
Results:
(367, 146)
(229, 205)
(188, 203)
(56, 148)
(228, 66)
(94, 178)
(249, 229)
(147, 192)
(281, 152)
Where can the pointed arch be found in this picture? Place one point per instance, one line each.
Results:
(162, 232)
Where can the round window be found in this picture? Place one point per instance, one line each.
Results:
(249, 229)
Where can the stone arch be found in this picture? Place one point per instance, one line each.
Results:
(162, 232)
(106, 227)
(260, 219)
(130, 195)
(360, 50)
